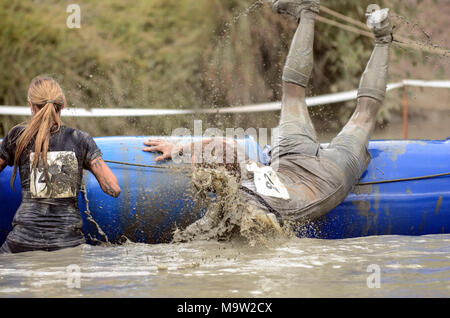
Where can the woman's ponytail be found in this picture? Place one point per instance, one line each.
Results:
(46, 95)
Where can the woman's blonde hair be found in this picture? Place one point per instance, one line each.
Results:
(47, 96)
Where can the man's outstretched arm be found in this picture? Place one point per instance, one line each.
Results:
(215, 150)
(170, 150)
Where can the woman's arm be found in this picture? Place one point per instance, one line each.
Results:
(105, 177)
(2, 164)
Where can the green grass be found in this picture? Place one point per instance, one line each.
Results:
(167, 54)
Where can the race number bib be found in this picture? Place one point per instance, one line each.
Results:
(62, 178)
(267, 182)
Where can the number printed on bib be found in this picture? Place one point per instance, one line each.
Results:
(267, 182)
(62, 176)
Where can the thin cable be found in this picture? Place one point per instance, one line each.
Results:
(406, 179)
(145, 166)
(361, 183)
(343, 17)
(345, 26)
(90, 218)
(361, 30)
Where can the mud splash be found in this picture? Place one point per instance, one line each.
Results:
(419, 37)
(229, 217)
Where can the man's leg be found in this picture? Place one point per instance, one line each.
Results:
(295, 122)
(354, 137)
(297, 71)
(372, 88)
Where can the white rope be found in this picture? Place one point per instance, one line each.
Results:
(133, 112)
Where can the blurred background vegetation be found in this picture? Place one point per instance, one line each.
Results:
(185, 54)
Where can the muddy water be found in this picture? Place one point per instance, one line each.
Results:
(250, 263)
(408, 267)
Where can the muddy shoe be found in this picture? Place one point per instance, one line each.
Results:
(295, 7)
(379, 22)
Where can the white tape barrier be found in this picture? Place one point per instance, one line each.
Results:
(133, 112)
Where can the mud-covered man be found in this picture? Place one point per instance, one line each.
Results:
(304, 181)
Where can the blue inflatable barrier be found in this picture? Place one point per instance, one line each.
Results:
(155, 201)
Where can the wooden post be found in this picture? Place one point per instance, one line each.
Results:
(405, 113)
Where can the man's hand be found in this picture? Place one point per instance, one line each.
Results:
(167, 148)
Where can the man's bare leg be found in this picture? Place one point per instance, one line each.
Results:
(299, 64)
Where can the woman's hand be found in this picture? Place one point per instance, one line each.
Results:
(168, 149)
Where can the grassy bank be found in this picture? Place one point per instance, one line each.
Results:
(169, 54)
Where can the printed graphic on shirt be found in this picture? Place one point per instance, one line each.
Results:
(267, 182)
(62, 176)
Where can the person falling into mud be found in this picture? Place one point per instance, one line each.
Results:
(304, 181)
(51, 158)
